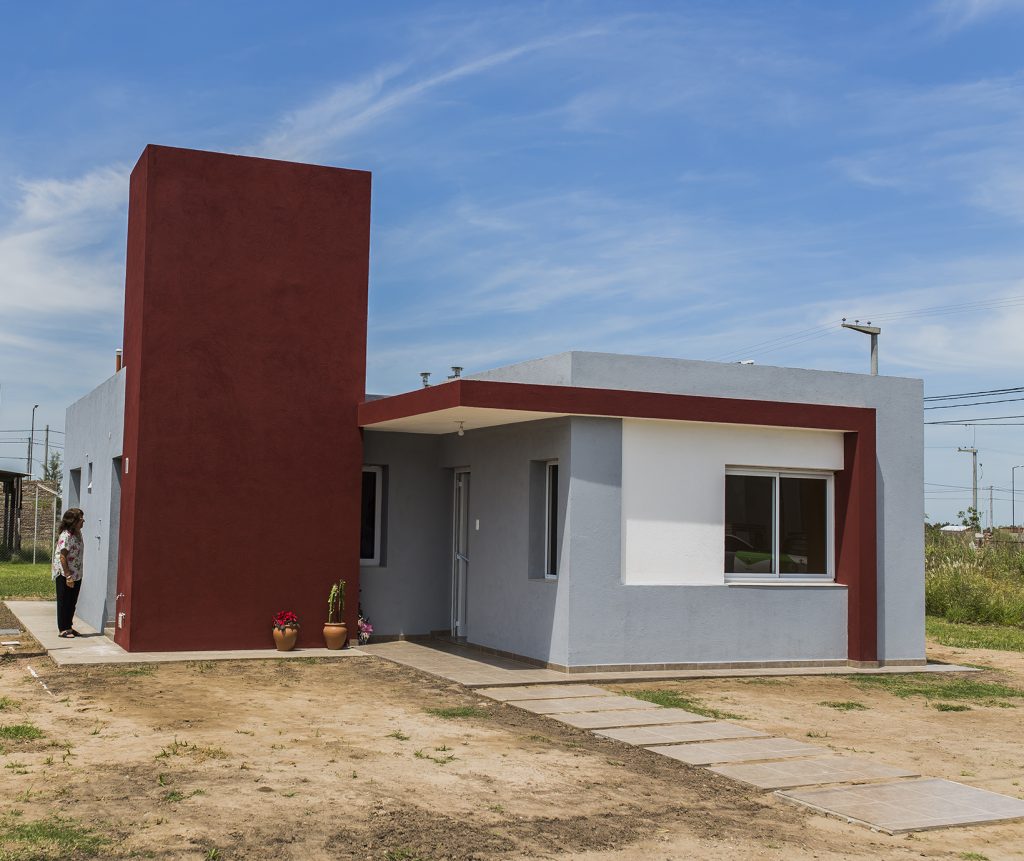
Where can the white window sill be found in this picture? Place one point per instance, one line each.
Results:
(777, 582)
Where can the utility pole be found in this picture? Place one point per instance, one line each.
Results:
(974, 472)
(1013, 497)
(991, 516)
(46, 451)
(31, 437)
(874, 332)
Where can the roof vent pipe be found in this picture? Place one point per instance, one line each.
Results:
(118, 360)
(456, 372)
(425, 376)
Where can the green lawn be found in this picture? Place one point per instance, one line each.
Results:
(962, 636)
(25, 580)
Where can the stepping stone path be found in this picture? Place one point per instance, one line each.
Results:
(881, 796)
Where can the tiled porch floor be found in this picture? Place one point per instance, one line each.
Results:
(477, 669)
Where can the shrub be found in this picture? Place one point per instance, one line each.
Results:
(984, 586)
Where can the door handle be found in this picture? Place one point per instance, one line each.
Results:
(462, 558)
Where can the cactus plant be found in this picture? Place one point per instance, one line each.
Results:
(336, 603)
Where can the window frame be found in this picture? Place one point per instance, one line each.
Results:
(378, 520)
(551, 541)
(776, 575)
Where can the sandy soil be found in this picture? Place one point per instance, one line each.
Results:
(341, 760)
(28, 646)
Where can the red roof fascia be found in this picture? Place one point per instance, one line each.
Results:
(576, 400)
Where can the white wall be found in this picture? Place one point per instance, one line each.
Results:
(673, 490)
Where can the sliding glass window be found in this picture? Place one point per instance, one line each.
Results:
(778, 525)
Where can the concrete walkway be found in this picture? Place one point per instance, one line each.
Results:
(476, 669)
(853, 788)
(849, 787)
(39, 619)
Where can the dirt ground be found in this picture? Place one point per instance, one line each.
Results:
(340, 759)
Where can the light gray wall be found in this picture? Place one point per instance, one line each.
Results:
(615, 623)
(900, 460)
(410, 592)
(511, 606)
(94, 429)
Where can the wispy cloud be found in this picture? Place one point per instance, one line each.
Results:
(350, 108)
(61, 250)
(949, 16)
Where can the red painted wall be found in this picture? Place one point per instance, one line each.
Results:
(245, 353)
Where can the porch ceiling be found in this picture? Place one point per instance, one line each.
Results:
(447, 420)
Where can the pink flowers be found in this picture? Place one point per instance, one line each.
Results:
(286, 619)
(365, 630)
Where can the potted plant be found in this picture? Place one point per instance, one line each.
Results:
(335, 631)
(286, 630)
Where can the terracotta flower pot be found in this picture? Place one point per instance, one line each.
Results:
(335, 635)
(285, 640)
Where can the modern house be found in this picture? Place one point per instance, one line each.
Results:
(581, 510)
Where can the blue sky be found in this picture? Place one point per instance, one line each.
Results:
(682, 179)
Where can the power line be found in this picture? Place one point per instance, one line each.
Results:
(972, 404)
(1005, 391)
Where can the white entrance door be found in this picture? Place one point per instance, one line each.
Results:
(460, 552)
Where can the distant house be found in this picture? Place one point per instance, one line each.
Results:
(581, 510)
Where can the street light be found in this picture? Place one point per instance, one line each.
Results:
(31, 437)
(1013, 497)
(874, 332)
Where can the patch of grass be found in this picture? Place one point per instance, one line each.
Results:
(964, 636)
(844, 705)
(25, 580)
(973, 856)
(440, 760)
(173, 796)
(183, 748)
(766, 682)
(401, 854)
(6, 704)
(51, 838)
(951, 707)
(401, 736)
(136, 670)
(200, 666)
(20, 732)
(459, 712)
(674, 700)
(814, 734)
(938, 687)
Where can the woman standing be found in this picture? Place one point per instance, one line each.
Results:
(67, 569)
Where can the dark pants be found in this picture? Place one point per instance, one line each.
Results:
(67, 600)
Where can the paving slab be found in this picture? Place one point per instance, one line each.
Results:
(740, 750)
(677, 733)
(809, 772)
(628, 717)
(541, 692)
(910, 805)
(40, 619)
(606, 703)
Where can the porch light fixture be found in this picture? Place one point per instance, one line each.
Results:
(462, 431)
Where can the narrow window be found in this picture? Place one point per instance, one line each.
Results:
(370, 515)
(75, 489)
(88, 487)
(551, 521)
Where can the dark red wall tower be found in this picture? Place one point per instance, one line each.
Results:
(245, 355)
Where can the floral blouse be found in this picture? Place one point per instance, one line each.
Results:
(75, 548)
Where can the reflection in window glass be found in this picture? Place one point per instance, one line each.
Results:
(749, 524)
(803, 511)
(368, 522)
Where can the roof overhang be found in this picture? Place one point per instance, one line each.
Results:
(484, 403)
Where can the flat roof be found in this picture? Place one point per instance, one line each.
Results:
(476, 404)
